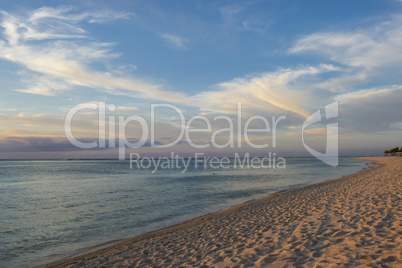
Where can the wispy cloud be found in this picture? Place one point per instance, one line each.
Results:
(369, 48)
(63, 13)
(239, 18)
(67, 62)
(174, 40)
(45, 85)
(363, 55)
(229, 13)
(126, 109)
(321, 132)
(277, 92)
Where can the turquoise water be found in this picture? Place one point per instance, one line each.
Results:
(55, 209)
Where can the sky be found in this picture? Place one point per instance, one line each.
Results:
(277, 58)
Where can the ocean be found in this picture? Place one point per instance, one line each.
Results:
(55, 209)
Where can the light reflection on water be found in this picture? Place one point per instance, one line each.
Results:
(54, 209)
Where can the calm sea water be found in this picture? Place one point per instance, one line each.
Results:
(55, 209)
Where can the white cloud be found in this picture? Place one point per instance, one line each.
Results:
(54, 66)
(64, 13)
(174, 40)
(344, 82)
(46, 86)
(44, 23)
(124, 70)
(281, 91)
(367, 54)
(126, 109)
(67, 62)
(375, 47)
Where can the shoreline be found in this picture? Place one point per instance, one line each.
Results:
(124, 245)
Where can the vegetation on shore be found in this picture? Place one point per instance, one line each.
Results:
(394, 151)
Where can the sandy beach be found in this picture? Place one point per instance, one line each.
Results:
(352, 221)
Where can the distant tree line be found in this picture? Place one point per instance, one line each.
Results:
(393, 151)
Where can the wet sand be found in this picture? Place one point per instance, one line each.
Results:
(355, 220)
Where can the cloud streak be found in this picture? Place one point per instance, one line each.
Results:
(269, 92)
(53, 144)
(174, 40)
(371, 48)
(58, 65)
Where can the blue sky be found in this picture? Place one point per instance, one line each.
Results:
(277, 57)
